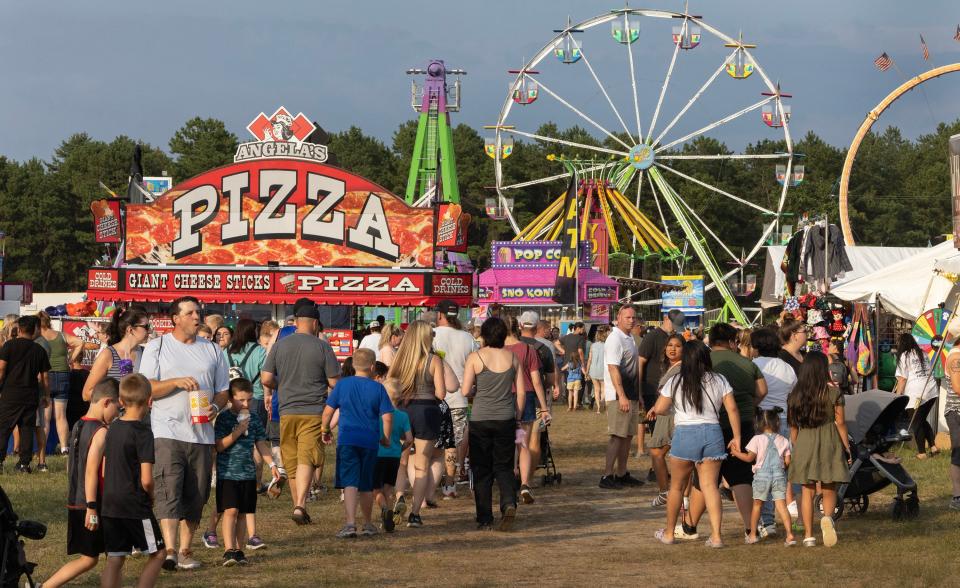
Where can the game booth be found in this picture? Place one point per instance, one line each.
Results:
(523, 275)
(279, 224)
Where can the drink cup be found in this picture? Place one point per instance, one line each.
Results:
(199, 407)
(243, 416)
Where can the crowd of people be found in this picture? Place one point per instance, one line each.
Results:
(247, 411)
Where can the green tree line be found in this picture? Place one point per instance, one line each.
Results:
(900, 189)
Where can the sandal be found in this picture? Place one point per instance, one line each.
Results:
(921, 456)
(934, 450)
(748, 541)
(789, 542)
(810, 542)
(712, 544)
(300, 516)
(659, 536)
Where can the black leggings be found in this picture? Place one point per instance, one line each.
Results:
(922, 431)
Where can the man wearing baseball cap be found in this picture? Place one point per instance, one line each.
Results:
(302, 368)
(454, 344)
(372, 341)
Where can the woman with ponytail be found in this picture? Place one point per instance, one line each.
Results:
(126, 332)
(697, 394)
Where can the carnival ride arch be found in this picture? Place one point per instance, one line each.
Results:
(865, 127)
(646, 148)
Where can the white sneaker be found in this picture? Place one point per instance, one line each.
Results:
(449, 492)
(792, 509)
(764, 532)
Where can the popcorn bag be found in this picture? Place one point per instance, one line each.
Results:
(199, 405)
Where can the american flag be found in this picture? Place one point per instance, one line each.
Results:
(883, 62)
(926, 52)
(956, 36)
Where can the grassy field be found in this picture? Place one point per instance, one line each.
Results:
(575, 534)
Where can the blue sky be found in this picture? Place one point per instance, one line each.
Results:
(142, 69)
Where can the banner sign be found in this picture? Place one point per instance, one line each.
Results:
(542, 294)
(566, 283)
(279, 211)
(157, 185)
(689, 298)
(86, 331)
(106, 220)
(263, 286)
(341, 340)
(532, 254)
(601, 292)
(452, 228)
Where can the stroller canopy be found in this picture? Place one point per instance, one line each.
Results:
(870, 408)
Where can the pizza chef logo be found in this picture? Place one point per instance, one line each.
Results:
(281, 126)
(281, 135)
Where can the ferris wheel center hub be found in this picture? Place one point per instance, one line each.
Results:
(641, 156)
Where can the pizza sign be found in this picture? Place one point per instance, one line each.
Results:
(285, 212)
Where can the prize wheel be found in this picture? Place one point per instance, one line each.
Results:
(930, 332)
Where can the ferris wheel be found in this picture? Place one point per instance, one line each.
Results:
(642, 129)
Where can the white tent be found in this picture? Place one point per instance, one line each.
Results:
(865, 261)
(908, 287)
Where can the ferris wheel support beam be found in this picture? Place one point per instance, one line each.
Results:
(704, 224)
(697, 242)
(633, 81)
(692, 100)
(553, 178)
(714, 125)
(728, 156)
(656, 199)
(666, 83)
(715, 189)
(871, 118)
(567, 143)
(581, 114)
(602, 89)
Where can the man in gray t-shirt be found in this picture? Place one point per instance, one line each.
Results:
(302, 368)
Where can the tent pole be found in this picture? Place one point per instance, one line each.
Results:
(876, 340)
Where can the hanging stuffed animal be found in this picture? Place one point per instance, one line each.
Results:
(837, 325)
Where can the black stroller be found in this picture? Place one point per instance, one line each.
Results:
(871, 418)
(13, 559)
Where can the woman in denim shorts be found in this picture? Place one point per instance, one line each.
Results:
(696, 395)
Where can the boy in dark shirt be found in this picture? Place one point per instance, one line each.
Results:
(83, 479)
(363, 404)
(23, 373)
(128, 521)
(237, 437)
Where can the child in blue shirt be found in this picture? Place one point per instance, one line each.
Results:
(237, 435)
(388, 462)
(363, 404)
(574, 381)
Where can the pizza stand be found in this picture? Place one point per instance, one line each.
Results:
(523, 274)
(277, 225)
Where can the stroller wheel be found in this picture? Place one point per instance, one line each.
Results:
(818, 507)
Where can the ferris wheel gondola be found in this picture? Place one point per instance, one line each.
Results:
(644, 160)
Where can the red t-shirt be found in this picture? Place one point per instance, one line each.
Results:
(529, 362)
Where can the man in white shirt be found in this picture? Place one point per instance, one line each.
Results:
(621, 390)
(177, 365)
(455, 345)
(372, 341)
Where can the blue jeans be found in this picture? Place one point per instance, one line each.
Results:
(768, 510)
